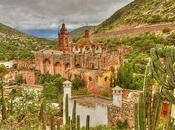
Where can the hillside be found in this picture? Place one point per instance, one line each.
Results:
(79, 31)
(15, 44)
(141, 12)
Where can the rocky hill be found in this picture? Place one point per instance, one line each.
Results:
(141, 12)
(15, 44)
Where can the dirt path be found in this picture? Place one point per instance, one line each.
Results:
(136, 30)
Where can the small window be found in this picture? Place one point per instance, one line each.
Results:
(106, 78)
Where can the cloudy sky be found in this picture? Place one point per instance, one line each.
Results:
(26, 14)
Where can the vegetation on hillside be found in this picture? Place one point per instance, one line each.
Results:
(141, 11)
(17, 45)
(79, 32)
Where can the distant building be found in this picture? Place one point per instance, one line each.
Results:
(102, 110)
(86, 58)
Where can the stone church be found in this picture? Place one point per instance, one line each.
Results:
(86, 58)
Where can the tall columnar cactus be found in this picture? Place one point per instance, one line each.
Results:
(78, 122)
(163, 70)
(67, 110)
(42, 115)
(148, 109)
(3, 110)
(11, 106)
(158, 86)
(74, 116)
(88, 122)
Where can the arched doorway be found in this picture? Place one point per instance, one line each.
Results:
(57, 68)
(67, 66)
(46, 66)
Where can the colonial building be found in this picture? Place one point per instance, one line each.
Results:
(86, 58)
(102, 110)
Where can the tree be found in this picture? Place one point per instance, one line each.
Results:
(77, 83)
(125, 76)
(53, 86)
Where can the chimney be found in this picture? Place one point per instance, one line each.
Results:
(117, 96)
(67, 85)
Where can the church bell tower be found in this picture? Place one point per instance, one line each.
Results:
(63, 39)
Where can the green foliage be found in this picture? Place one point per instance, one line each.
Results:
(78, 122)
(52, 85)
(74, 116)
(125, 77)
(122, 125)
(155, 11)
(155, 19)
(3, 72)
(171, 38)
(17, 45)
(166, 30)
(77, 83)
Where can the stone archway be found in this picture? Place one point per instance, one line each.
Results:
(57, 68)
(66, 66)
(47, 66)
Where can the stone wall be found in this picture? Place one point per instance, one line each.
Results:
(126, 112)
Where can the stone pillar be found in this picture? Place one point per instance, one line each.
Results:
(67, 85)
(117, 96)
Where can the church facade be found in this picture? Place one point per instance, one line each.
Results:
(86, 58)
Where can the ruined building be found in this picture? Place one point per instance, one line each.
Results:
(86, 58)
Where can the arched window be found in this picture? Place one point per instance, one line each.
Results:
(90, 78)
(106, 78)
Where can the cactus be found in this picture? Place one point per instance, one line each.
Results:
(87, 122)
(11, 106)
(78, 122)
(67, 110)
(148, 109)
(74, 116)
(3, 110)
(41, 115)
(52, 123)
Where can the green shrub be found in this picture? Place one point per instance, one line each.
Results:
(122, 125)
(166, 30)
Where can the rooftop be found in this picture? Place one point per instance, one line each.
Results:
(92, 100)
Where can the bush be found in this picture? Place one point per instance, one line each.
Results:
(77, 83)
(53, 85)
(155, 19)
(122, 125)
(166, 30)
